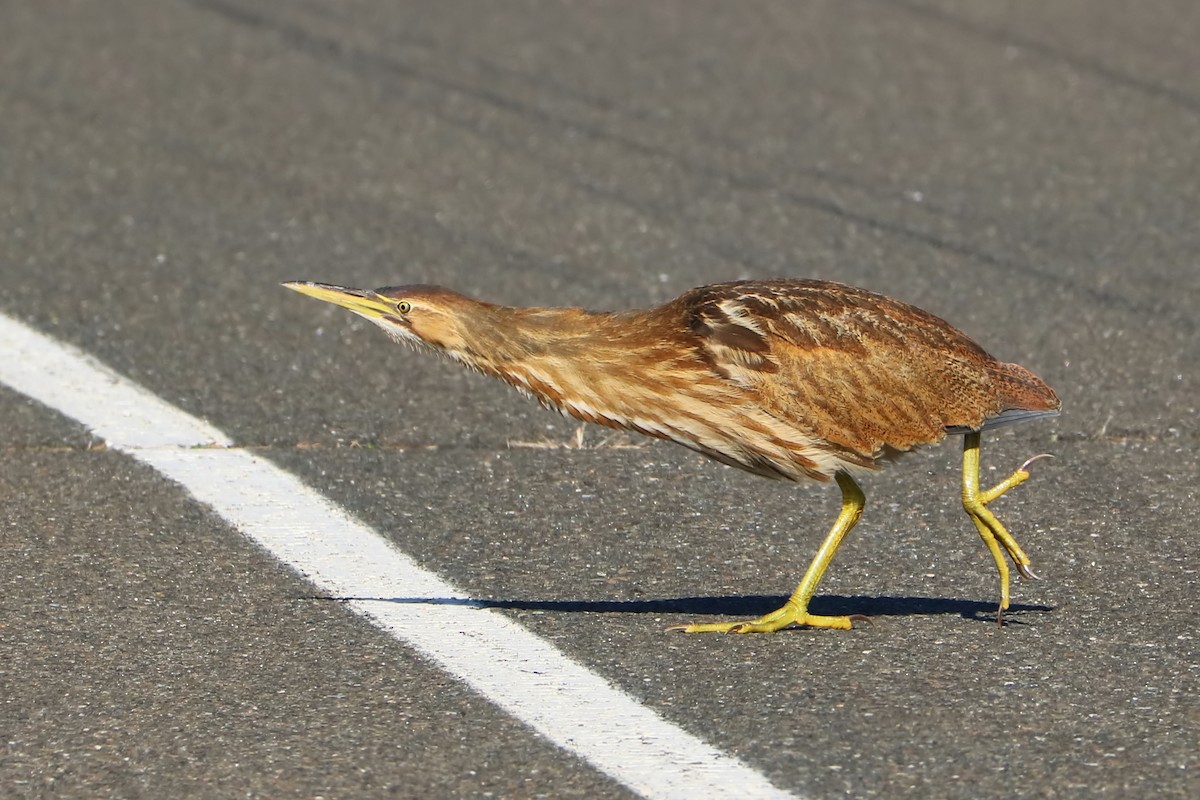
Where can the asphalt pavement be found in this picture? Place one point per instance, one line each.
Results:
(1028, 171)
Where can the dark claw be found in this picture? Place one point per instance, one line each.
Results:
(1034, 460)
(862, 618)
(1027, 573)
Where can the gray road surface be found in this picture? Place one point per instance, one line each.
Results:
(1029, 171)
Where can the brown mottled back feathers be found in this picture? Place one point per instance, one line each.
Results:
(861, 371)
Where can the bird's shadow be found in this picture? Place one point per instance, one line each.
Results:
(738, 605)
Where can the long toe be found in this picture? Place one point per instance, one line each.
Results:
(776, 620)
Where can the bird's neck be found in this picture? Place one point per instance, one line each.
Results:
(566, 357)
(499, 339)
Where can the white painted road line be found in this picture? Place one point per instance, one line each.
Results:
(528, 677)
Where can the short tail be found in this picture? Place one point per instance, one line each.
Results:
(1021, 390)
(1022, 397)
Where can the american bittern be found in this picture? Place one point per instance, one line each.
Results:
(786, 379)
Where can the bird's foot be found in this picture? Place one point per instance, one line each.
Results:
(1018, 477)
(789, 615)
(995, 536)
(976, 507)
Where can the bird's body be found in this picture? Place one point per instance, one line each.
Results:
(788, 379)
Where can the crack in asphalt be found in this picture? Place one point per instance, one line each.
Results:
(372, 65)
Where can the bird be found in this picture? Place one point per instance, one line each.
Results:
(791, 379)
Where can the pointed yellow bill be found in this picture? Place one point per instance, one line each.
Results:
(363, 302)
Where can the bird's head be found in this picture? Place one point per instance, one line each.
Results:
(428, 315)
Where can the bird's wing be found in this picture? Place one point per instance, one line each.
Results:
(860, 371)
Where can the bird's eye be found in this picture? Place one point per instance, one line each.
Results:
(404, 306)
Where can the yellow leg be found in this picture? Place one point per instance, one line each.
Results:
(795, 610)
(994, 534)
